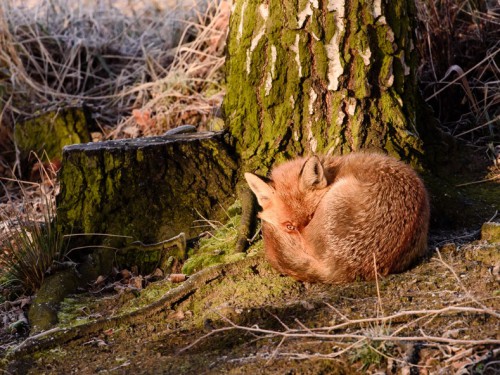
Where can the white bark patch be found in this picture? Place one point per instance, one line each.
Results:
(335, 68)
(340, 118)
(295, 136)
(249, 61)
(365, 55)
(351, 107)
(274, 55)
(377, 8)
(334, 147)
(337, 6)
(295, 48)
(312, 99)
(302, 16)
(264, 13)
(272, 71)
(405, 67)
(313, 142)
(316, 38)
(292, 101)
(390, 80)
(306, 12)
(240, 26)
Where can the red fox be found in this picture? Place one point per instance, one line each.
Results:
(337, 219)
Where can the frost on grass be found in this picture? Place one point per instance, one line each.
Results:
(165, 59)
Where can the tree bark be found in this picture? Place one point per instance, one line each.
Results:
(322, 77)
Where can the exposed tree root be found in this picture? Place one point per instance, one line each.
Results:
(59, 336)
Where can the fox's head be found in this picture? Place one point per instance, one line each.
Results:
(290, 198)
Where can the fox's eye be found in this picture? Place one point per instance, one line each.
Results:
(290, 227)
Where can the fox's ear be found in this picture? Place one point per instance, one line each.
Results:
(312, 175)
(262, 190)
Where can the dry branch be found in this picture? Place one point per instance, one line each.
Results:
(322, 333)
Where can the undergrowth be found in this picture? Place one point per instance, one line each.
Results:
(29, 251)
(29, 239)
(459, 45)
(140, 68)
(220, 246)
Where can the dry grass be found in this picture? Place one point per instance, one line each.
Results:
(145, 67)
(29, 240)
(161, 59)
(459, 43)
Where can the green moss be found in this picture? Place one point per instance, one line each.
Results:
(314, 26)
(73, 312)
(385, 39)
(235, 291)
(269, 124)
(51, 131)
(329, 27)
(304, 54)
(43, 311)
(147, 296)
(109, 190)
(335, 134)
(396, 17)
(320, 60)
(220, 247)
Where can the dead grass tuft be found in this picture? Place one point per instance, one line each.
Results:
(459, 73)
(29, 239)
(162, 59)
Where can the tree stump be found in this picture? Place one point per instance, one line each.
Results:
(145, 189)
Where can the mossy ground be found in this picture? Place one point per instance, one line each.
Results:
(219, 247)
(256, 296)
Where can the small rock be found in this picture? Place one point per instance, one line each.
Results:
(490, 232)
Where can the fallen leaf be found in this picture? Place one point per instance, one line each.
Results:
(177, 277)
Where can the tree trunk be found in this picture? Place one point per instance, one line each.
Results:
(322, 77)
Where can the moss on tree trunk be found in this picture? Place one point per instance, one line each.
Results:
(322, 77)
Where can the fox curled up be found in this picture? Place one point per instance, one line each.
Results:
(335, 219)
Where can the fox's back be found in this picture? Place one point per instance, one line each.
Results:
(376, 210)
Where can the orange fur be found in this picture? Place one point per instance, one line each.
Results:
(324, 219)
